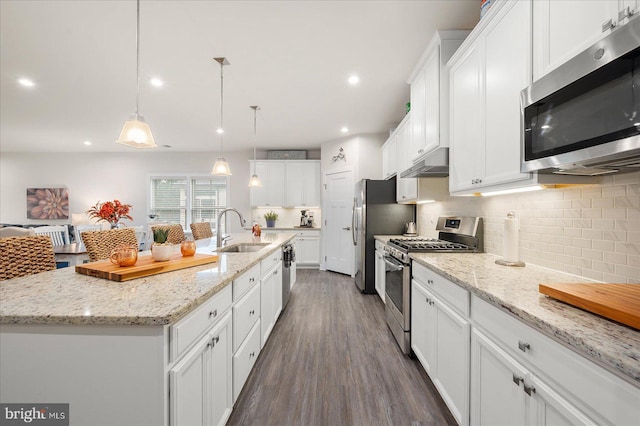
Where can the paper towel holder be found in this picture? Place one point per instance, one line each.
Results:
(503, 262)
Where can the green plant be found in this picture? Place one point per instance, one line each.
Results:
(271, 215)
(160, 235)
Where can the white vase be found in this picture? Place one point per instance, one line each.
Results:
(161, 252)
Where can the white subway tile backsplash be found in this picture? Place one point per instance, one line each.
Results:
(616, 279)
(588, 231)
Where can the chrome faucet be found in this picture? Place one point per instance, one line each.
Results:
(219, 238)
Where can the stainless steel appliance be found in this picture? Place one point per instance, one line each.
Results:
(457, 235)
(375, 212)
(288, 272)
(583, 118)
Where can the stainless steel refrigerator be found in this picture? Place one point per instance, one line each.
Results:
(375, 212)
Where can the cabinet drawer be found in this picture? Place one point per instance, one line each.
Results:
(380, 245)
(594, 389)
(245, 282)
(245, 314)
(184, 333)
(245, 358)
(451, 293)
(270, 261)
(308, 233)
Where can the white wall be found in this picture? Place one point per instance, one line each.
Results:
(362, 153)
(92, 177)
(591, 231)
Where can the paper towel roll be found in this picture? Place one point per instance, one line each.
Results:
(510, 244)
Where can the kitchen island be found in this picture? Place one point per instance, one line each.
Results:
(109, 348)
(542, 358)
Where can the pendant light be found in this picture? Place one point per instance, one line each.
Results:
(255, 180)
(136, 132)
(221, 167)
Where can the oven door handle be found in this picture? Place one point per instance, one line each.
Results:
(393, 264)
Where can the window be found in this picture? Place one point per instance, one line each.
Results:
(188, 199)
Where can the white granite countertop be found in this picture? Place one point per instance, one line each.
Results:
(513, 289)
(66, 297)
(287, 228)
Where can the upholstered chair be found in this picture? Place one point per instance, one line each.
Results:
(176, 233)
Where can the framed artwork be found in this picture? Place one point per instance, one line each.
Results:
(47, 203)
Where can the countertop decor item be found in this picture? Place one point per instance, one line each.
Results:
(510, 253)
(271, 218)
(110, 211)
(161, 250)
(124, 255)
(136, 132)
(188, 248)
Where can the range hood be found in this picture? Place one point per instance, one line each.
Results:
(435, 164)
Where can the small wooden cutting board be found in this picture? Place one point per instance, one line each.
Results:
(618, 302)
(144, 267)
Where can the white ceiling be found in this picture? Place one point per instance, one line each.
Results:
(292, 58)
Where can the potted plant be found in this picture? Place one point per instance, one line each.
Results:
(271, 218)
(161, 250)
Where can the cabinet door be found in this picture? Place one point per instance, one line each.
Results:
(259, 196)
(244, 359)
(245, 314)
(267, 312)
(219, 395)
(295, 174)
(187, 384)
(311, 184)
(308, 250)
(276, 290)
(497, 381)
(551, 409)
(564, 28)
(418, 116)
(466, 120)
(452, 358)
(423, 327)
(507, 72)
(406, 188)
(432, 102)
(275, 184)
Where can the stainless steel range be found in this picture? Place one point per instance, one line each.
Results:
(456, 235)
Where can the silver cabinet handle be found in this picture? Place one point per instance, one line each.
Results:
(626, 12)
(529, 389)
(517, 379)
(524, 346)
(420, 151)
(430, 282)
(348, 228)
(252, 312)
(213, 313)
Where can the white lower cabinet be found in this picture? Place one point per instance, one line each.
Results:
(270, 300)
(200, 383)
(244, 359)
(503, 392)
(308, 248)
(440, 339)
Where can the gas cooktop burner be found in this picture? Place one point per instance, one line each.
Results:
(428, 244)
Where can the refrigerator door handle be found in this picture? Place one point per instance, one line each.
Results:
(353, 223)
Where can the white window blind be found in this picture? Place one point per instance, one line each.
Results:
(188, 199)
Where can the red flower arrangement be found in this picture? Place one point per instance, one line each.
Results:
(110, 211)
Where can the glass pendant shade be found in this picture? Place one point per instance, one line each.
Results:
(136, 133)
(221, 168)
(255, 182)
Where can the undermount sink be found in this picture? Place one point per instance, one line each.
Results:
(243, 248)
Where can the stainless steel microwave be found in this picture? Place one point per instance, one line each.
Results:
(583, 118)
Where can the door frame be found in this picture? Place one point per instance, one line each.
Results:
(325, 210)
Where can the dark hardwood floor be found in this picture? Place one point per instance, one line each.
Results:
(331, 360)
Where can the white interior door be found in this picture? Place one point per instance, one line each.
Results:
(338, 246)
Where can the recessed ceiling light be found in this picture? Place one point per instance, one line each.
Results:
(26, 82)
(157, 82)
(87, 143)
(220, 131)
(354, 79)
(344, 129)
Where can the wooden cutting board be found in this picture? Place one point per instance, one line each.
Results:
(618, 302)
(144, 267)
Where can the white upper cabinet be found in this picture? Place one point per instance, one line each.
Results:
(389, 155)
(429, 101)
(564, 28)
(406, 188)
(271, 173)
(302, 183)
(286, 183)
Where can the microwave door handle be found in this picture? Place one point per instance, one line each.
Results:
(394, 265)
